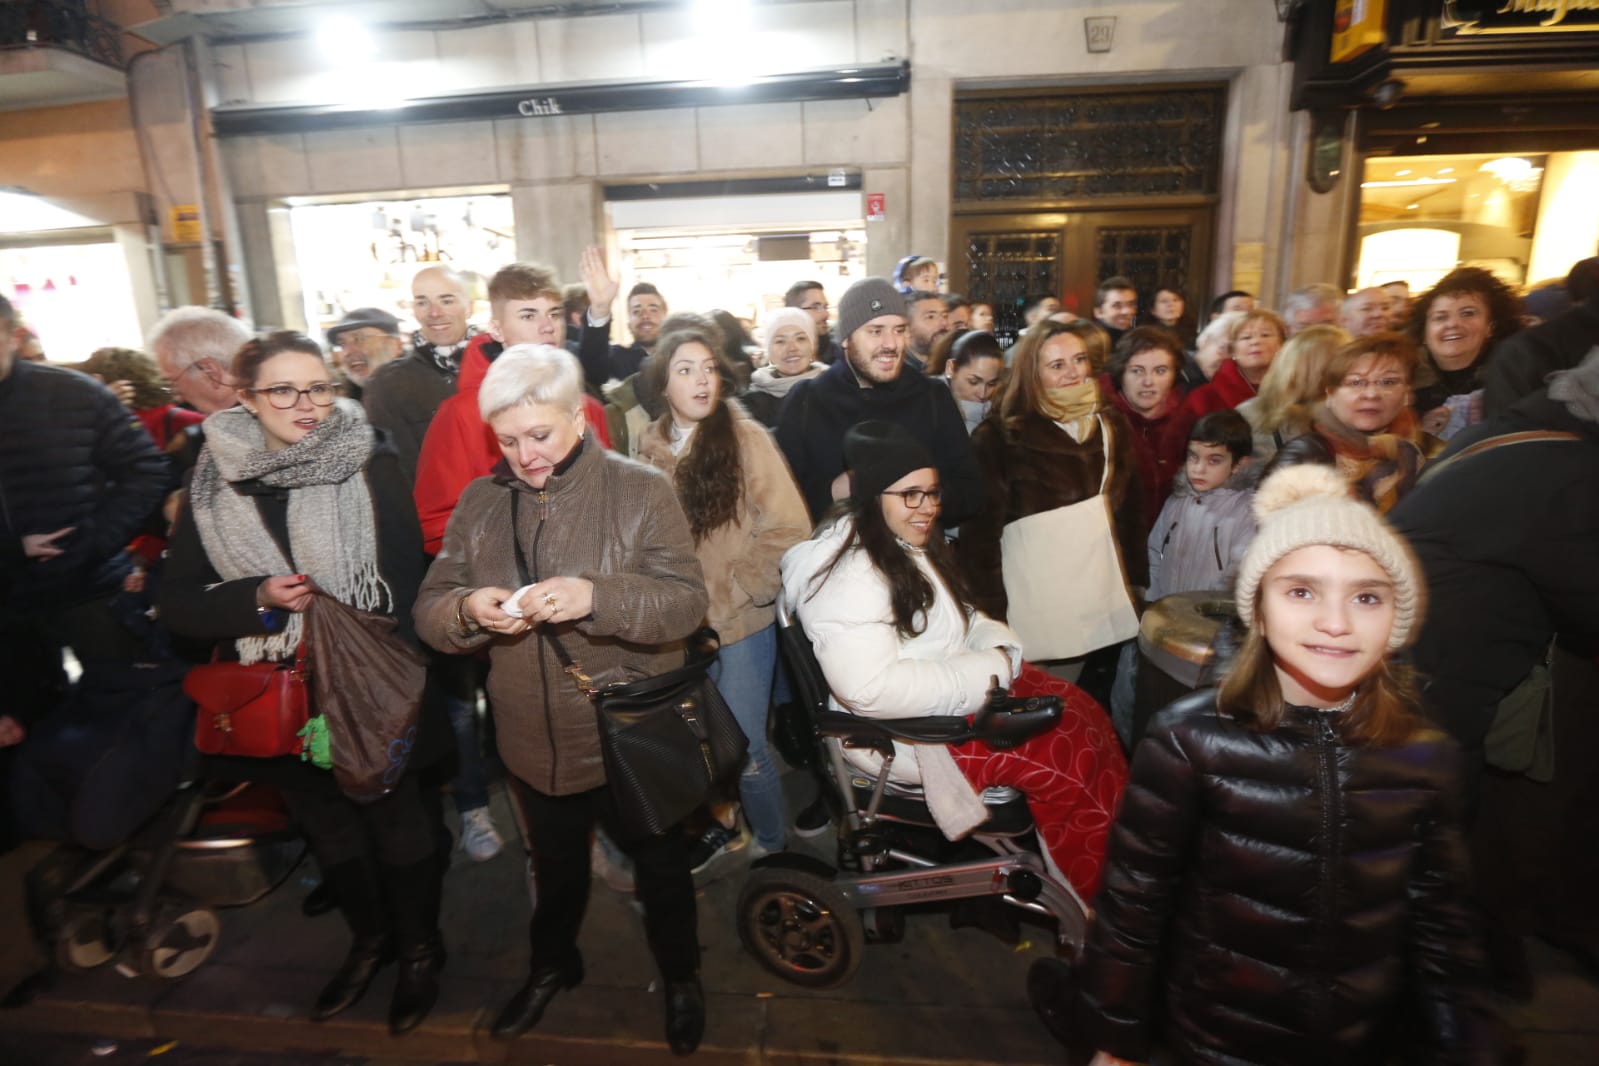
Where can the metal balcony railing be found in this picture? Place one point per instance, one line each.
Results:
(65, 24)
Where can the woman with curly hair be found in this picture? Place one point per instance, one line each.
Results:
(1458, 322)
(138, 383)
(744, 512)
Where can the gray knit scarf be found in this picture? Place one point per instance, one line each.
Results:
(332, 527)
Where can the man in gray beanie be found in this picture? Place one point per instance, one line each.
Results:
(872, 382)
(1508, 537)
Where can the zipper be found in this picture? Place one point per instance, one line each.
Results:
(544, 675)
(1331, 808)
(1215, 544)
(685, 710)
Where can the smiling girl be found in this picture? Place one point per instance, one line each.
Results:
(1285, 879)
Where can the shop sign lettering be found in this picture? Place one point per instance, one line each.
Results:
(1556, 8)
(1520, 16)
(538, 108)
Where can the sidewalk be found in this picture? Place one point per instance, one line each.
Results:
(941, 996)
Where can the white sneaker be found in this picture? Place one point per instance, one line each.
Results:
(479, 839)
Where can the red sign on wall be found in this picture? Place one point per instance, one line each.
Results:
(876, 207)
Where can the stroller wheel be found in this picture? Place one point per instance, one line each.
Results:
(181, 938)
(83, 942)
(800, 927)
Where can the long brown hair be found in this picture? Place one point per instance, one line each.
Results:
(710, 477)
(1021, 390)
(910, 593)
(1385, 711)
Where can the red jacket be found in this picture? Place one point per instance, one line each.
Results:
(460, 448)
(1225, 391)
(1160, 451)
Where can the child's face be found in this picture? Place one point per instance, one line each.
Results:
(925, 278)
(1209, 465)
(1326, 614)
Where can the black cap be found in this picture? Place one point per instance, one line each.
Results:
(375, 317)
(879, 454)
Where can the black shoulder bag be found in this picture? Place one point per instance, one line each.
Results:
(665, 739)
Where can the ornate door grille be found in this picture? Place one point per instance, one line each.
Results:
(1006, 268)
(1148, 255)
(1078, 145)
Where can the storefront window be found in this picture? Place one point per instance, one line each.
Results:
(1422, 216)
(74, 297)
(364, 254)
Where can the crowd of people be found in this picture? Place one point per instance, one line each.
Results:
(1399, 492)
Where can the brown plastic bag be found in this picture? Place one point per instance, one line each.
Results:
(367, 685)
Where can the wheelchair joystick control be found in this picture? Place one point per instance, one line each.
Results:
(1025, 884)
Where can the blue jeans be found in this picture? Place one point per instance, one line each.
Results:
(471, 786)
(743, 674)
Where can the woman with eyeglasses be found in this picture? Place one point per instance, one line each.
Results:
(897, 635)
(1364, 425)
(295, 488)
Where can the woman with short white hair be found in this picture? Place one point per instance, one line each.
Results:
(604, 562)
(790, 359)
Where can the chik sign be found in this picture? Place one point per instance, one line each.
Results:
(537, 108)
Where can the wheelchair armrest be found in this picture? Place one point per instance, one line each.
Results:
(1007, 721)
(856, 731)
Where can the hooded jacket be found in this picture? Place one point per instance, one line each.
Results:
(1281, 897)
(609, 520)
(460, 447)
(1200, 538)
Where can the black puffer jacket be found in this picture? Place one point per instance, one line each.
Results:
(1281, 897)
(70, 455)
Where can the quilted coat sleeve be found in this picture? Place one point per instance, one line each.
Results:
(449, 579)
(1149, 849)
(663, 598)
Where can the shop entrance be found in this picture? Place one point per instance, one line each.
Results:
(736, 253)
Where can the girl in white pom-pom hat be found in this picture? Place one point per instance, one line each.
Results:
(1285, 881)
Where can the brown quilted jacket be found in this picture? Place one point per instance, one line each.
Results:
(1032, 465)
(609, 520)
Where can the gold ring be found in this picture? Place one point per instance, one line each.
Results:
(549, 599)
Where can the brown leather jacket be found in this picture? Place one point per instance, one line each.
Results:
(608, 520)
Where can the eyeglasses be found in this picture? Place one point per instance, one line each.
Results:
(913, 497)
(284, 397)
(815, 307)
(356, 339)
(1383, 385)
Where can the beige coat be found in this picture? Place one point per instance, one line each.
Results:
(741, 558)
(608, 520)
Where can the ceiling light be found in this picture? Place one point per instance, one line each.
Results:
(1406, 183)
(341, 37)
(1446, 170)
(1411, 207)
(1508, 168)
(1401, 173)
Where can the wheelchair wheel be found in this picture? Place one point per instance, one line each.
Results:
(83, 941)
(800, 927)
(181, 938)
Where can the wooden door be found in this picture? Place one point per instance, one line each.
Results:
(1003, 259)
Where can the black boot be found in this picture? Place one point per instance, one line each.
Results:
(685, 1015)
(527, 1006)
(368, 955)
(416, 988)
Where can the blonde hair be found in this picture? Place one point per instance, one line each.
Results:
(1295, 376)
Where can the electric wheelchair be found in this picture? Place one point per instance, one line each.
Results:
(808, 922)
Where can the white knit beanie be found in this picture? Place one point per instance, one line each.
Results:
(1299, 506)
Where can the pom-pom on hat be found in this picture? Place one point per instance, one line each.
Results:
(1299, 506)
(879, 454)
(863, 301)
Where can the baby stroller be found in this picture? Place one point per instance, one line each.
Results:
(808, 922)
(150, 847)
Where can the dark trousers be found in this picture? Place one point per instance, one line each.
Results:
(556, 831)
(380, 858)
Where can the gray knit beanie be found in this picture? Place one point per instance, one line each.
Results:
(863, 301)
(1299, 506)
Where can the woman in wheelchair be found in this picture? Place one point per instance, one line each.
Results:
(896, 636)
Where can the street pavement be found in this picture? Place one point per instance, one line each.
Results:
(940, 996)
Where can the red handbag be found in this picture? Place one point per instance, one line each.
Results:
(256, 710)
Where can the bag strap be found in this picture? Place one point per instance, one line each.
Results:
(1104, 430)
(570, 666)
(1530, 436)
